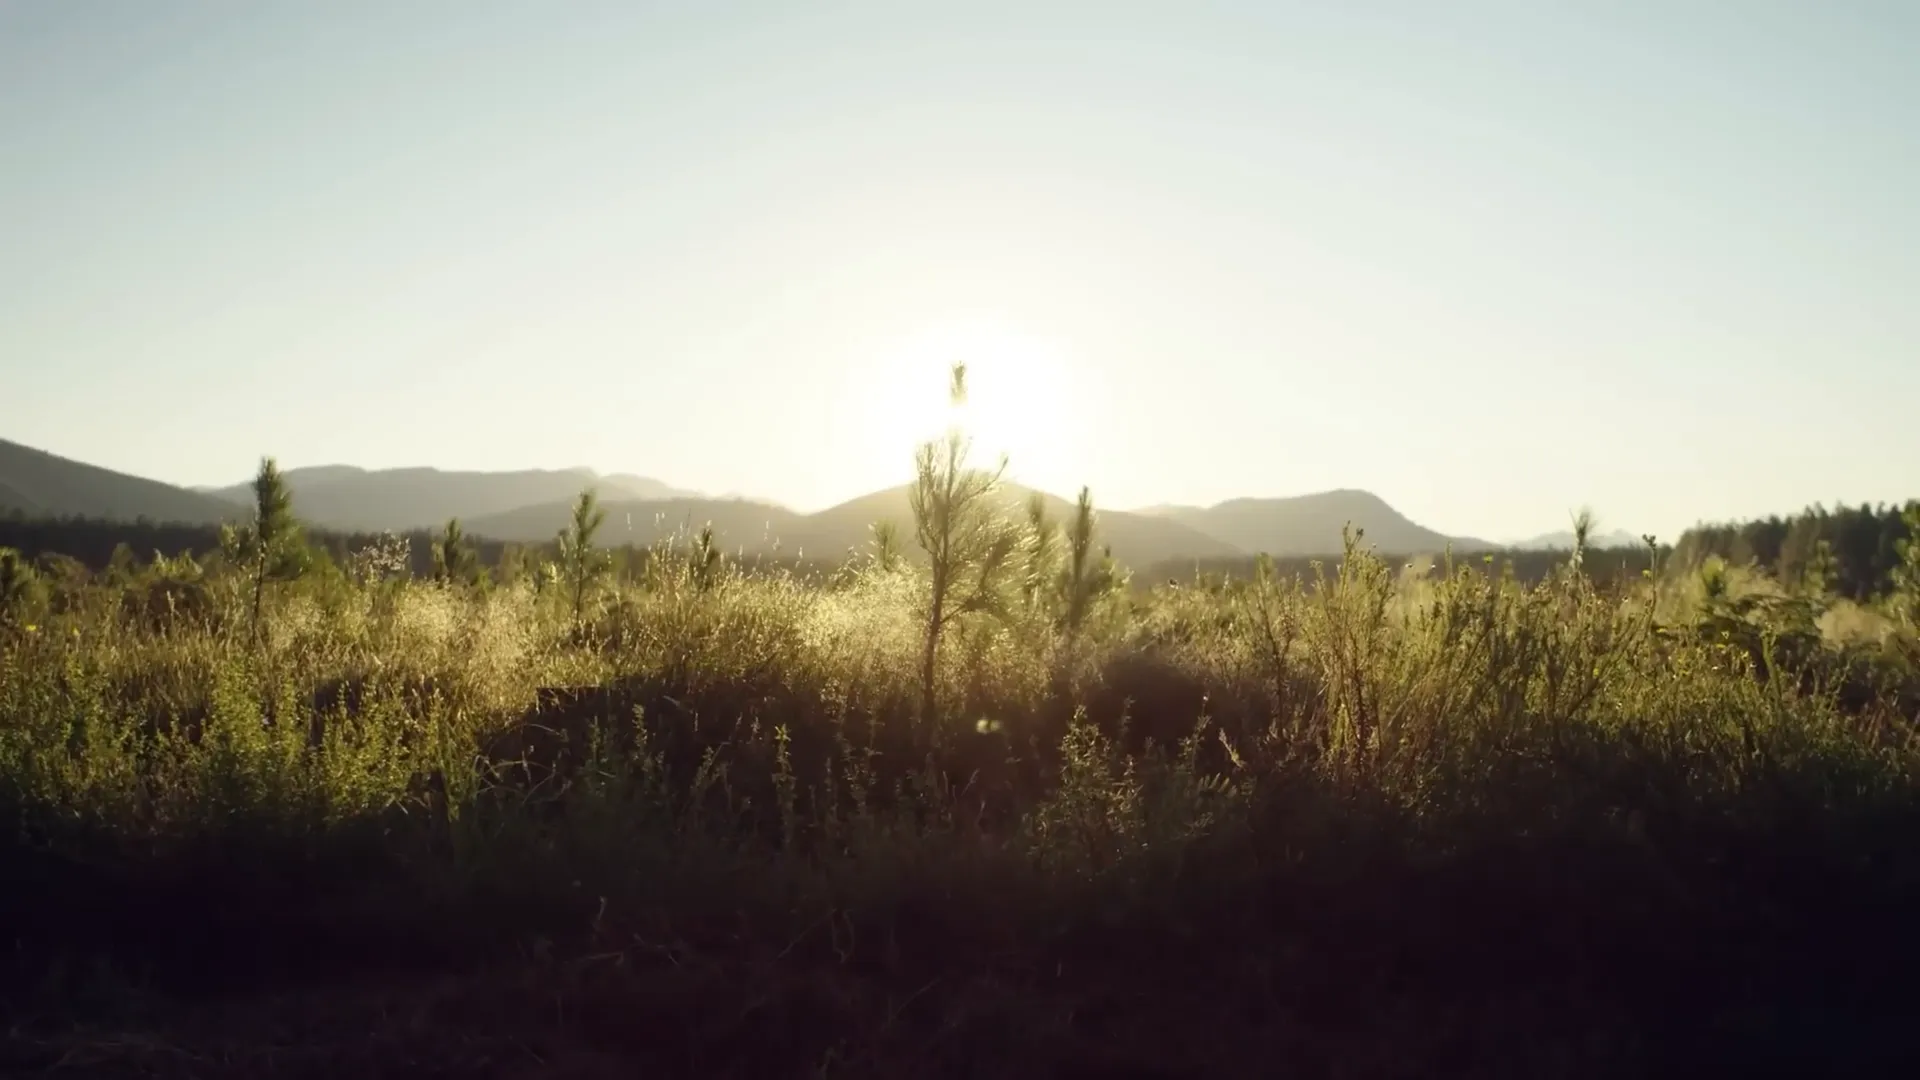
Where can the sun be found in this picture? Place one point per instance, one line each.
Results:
(1020, 399)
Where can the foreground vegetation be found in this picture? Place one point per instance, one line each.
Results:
(970, 807)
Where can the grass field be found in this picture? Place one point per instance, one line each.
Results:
(1388, 821)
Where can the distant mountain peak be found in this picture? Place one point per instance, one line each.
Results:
(1313, 523)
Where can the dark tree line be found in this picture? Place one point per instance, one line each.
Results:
(96, 542)
(1529, 567)
(1851, 551)
(91, 541)
(99, 544)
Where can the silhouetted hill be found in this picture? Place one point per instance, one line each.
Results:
(756, 527)
(351, 499)
(47, 485)
(1136, 539)
(12, 500)
(629, 486)
(1311, 525)
(530, 506)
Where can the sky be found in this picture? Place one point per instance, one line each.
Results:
(1490, 261)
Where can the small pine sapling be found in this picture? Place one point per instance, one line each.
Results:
(967, 543)
(581, 565)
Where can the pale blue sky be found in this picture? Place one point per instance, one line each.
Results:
(1489, 261)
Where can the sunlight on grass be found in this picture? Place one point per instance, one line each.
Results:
(590, 753)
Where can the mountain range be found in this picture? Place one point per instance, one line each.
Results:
(1311, 524)
(530, 506)
(352, 499)
(757, 527)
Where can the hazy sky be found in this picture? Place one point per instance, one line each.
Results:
(1489, 261)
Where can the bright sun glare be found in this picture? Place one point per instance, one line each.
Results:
(1020, 399)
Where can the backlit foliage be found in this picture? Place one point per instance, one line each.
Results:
(996, 736)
